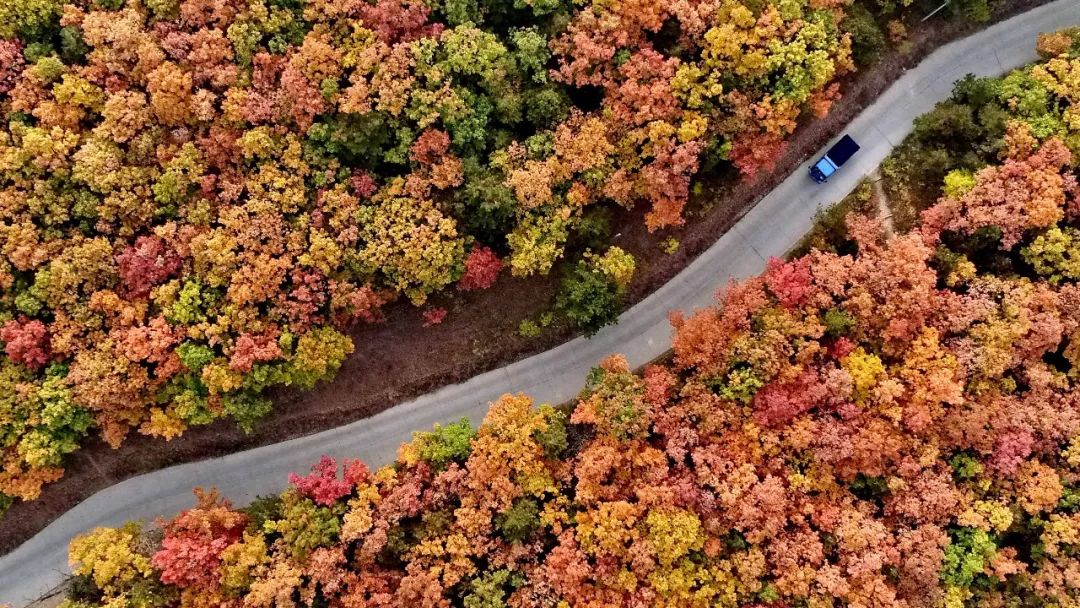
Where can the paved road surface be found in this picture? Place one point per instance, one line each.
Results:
(642, 333)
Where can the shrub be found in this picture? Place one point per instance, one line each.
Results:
(482, 268)
(588, 298)
(444, 444)
(529, 329)
(867, 39)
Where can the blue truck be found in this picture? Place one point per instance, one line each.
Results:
(834, 159)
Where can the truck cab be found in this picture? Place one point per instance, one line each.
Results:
(835, 158)
(822, 169)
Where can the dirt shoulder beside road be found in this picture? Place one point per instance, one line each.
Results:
(400, 359)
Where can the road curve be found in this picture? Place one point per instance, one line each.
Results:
(642, 333)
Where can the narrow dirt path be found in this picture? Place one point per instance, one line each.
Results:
(881, 199)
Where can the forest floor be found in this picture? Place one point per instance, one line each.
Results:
(400, 359)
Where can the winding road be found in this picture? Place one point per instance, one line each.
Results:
(642, 333)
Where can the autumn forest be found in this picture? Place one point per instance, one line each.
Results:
(888, 419)
(199, 198)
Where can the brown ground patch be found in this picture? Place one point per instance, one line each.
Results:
(400, 359)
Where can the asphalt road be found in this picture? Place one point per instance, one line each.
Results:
(773, 226)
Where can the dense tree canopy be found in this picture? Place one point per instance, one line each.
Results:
(198, 197)
(978, 123)
(897, 426)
